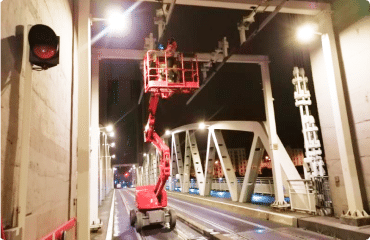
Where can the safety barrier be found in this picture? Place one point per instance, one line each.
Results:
(65, 232)
(302, 195)
(263, 185)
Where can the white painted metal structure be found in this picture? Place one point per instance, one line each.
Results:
(274, 145)
(313, 163)
(216, 145)
(296, 7)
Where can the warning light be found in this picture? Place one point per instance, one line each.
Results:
(44, 46)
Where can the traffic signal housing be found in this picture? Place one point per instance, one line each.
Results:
(44, 46)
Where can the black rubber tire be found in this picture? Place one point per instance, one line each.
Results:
(139, 221)
(172, 219)
(132, 217)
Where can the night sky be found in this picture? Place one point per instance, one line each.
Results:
(235, 93)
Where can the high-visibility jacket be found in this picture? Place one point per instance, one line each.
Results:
(171, 49)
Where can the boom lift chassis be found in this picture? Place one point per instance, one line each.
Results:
(161, 81)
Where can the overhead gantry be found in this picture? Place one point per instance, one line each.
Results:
(321, 14)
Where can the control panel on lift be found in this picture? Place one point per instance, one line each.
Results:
(167, 75)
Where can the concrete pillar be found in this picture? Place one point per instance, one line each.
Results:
(26, 78)
(107, 159)
(105, 176)
(83, 145)
(95, 199)
(326, 55)
(103, 180)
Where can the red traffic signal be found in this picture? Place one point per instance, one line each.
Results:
(44, 46)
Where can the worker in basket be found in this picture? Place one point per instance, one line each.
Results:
(171, 60)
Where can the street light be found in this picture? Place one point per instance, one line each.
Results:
(119, 21)
(111, 134)
(202, 125)
(168, 132)
(112, 144)
(307, 32)
(109, 128)
(114, 156)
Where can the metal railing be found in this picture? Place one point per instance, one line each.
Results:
(302, 195)
(65, 232)
(264, 185)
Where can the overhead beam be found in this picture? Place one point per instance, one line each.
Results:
(125, 165)
(295, 7)
(104, 53)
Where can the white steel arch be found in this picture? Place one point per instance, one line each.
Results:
(216, 145)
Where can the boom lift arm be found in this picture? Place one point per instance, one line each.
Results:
(161, 81)
(152, 137)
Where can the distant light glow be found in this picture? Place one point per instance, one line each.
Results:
(111, 134)
(168, 132)
(256, 198)
(260, 230)
(144, 154)
(113, 144)
(113, 156)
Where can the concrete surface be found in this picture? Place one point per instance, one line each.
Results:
(329, 226)
(104, 213)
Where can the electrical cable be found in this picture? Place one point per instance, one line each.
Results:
(251, 36)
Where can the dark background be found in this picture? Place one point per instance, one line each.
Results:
(235, 93)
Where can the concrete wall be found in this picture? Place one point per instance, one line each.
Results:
(53, 120)
(351, 20)
(355, 49)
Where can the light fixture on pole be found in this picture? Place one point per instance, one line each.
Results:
(119, 21)
(113, 156)
(203, 125)
(307, 32)
(109, 128)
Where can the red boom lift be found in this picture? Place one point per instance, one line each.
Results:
(162, 82)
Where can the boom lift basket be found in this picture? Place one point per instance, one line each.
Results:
(157, 74)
